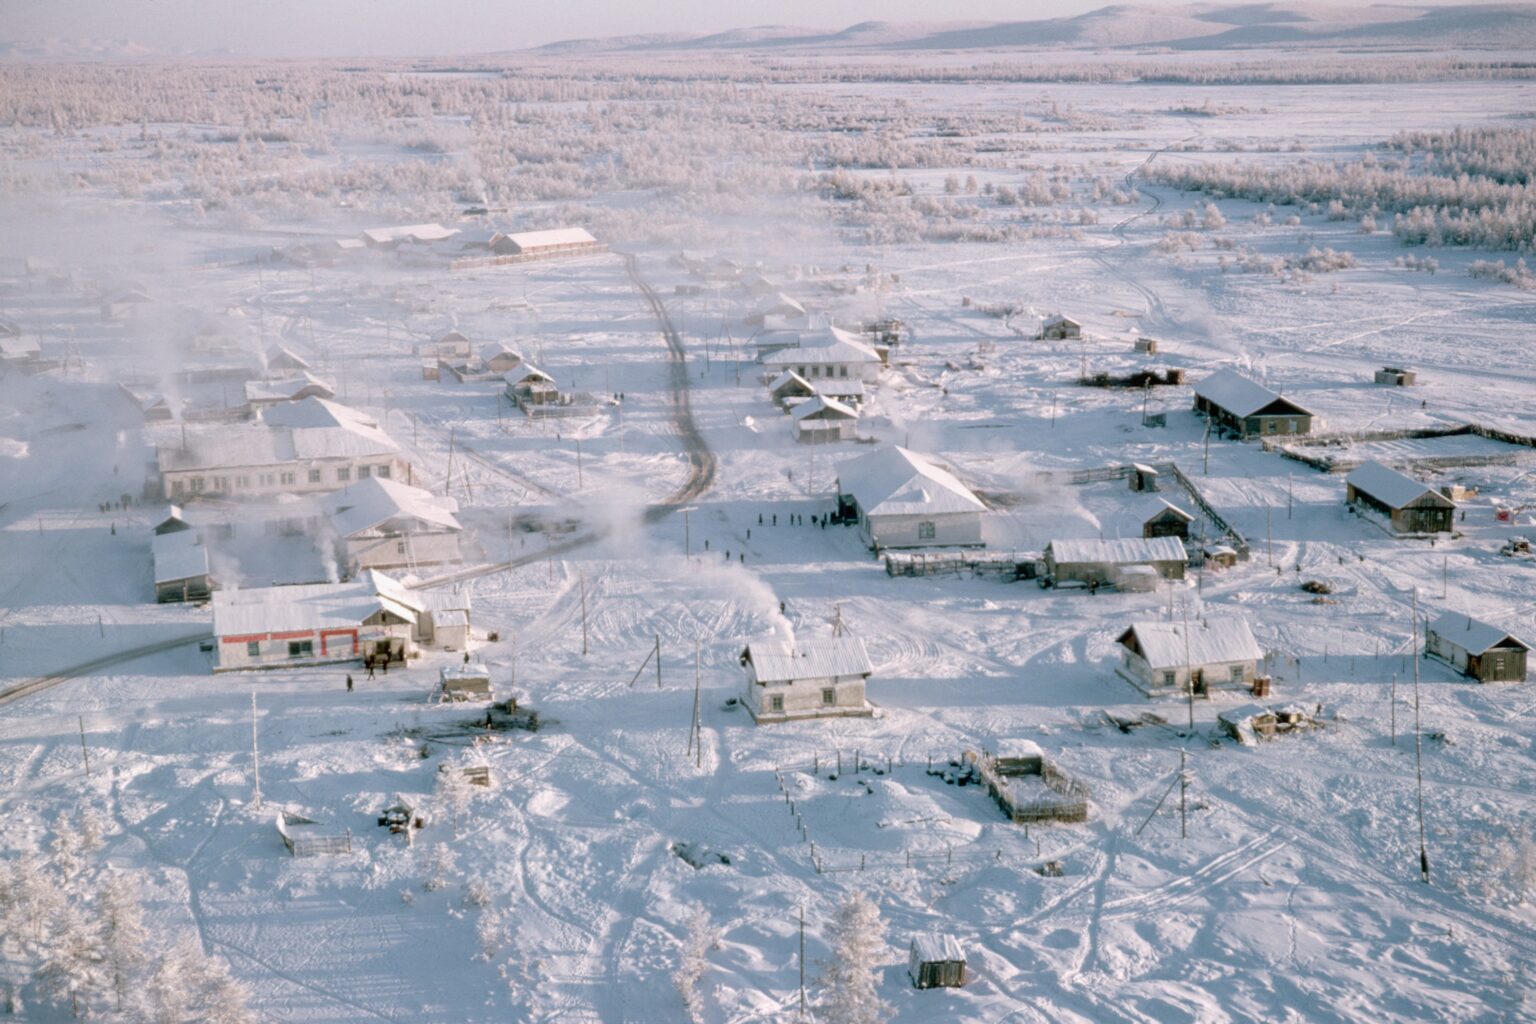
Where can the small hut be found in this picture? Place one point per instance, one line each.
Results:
(305, 837)
(471, 681)
(1397, 376)
(936, 961)
(820, 420)
(1168, 521)
(1060, 328)
(1147, 346)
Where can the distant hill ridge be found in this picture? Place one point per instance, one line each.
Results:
(1202, 26)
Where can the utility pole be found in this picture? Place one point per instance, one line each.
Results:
(578, 464)
(802, 961)
(658, 661)
(255, 753)
(1206, 469)
(687, 539)
(695, 731)
(1189, 668)
(1183, 789)
(582, 576)
(448, 479)
(1394, 709)
(1269, 536)
(1418, 742)
(84, 753)
(1289, 501)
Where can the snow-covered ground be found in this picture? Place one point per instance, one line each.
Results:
(1296, 894)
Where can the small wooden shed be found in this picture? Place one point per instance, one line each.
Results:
(1168, 521)
(1060, 328)
(1397, 376)
(1477, 649)
(471, 681)
(936, 961)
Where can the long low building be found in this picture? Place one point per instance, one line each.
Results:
(1477, 649)
(1100, 562)
(1163, 657)
(310, 446)
(371, 617)
(1237, 404)
(814, 679)
(901, 499)
(1410, 506)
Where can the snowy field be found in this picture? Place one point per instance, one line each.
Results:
(559, 894)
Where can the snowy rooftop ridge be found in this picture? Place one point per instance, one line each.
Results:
(261, 610)
(1211, 642)
(1390, 487)
(1120, 551)
(553, 236)
(826, 407)
(1472, 635)
(372, 501)
(895, 481)
(778, 662)
(1239, 395)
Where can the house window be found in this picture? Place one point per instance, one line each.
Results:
(221, 483)
(776, 702)
(1170, 679)
(1498, 664)
(1237, 674)
(252, 649)
(801, 371)
(363, 472)
(176, 487)
(842, 371)
(287, 479)
(828, 696)
(197, 485)
(243, 482)
(314, 476)
(926, 531)
(344, 474)
(300, 648)
(400, 547)
(382, 472)
(267, 479)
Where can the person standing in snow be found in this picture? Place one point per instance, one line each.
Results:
(349, 682)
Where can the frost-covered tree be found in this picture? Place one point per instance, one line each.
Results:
(64, 846)
(71, 968)
(456, 793)
(124, 939)
(849, 983)
(1211, 218)
(489, 932)
(693, 954)
(441, 864)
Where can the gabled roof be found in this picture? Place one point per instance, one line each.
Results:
(839, 387)
(895, 481)
(282, 356)
(450, 338)
(1242, 397)
(527, 374)
(311, 428)
(495, 349)
(1391, 488)
(19, 346)
(1473, 635)
(1058, 318)
(1125, 551)
(1212, 642)
(823, 408)
(554, 236)
(304, 385)
(409, 232)
(178, 556)
(776, 662)
(937, 948)
(1164, 507)
(825, 345)
(790, 382)
(371, 502)
(258, 610)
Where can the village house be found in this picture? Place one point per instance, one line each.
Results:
(181, 566)
(813, 679)
(1396, 376)
(553, 242)
(529, 386)
(754, 283)
(821, 420)
(449, 347)
(936, 960)
(901, 499)
(386, 524)
(789, 389)
(309, 446)
(1168, 520)
(371, 617)
(498, 358)
(830, 352)
(126, 304)
(1162, 657)
(1102, 562)
(1410, 506)
(263, 394)
(775, 305)
(1060, 328)
(284, 360)
(1236, 404)
(20, 352)
(1478, 650)
(417, 234)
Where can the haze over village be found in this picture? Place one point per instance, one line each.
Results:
(629, 516)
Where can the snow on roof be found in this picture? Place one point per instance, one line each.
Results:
(1472, 635)
(527, 374)
(1058, 318)
(411, 232)
(789, 377)
(312, 428)
(825, 345)
(370, 502)
(287, 390)
(779, 301)
(1164, 505)
(1212, 642)
(1237, 394)
(814, 659)
(937, 947)
(895, 481)
(180, 555)
(1018, 749)
(309, 606)
(1118, 552)
(1390, 487)
(19, 346)
(823, 407)
(839, 388)
(279, 355)
(525, 240)
(460, 673)
(496, 348)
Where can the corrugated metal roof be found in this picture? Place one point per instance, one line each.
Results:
(826, 345)
(309, 606)
(368, 503)
(1390, 487)
(1472, 635)
(895, 481)
(1237, 394)
(178, 556)
(1125, 551)
(525, 240)
(824, 408)
(413, 232)
(937, 947)
(1212, 642)
(813, 659)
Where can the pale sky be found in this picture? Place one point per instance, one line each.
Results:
(390, 27)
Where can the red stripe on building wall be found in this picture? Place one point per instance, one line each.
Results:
(253, 638)
(327, 634)
(298, 634)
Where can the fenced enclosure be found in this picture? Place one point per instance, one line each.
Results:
(1056, 798)
(953, 563)
(305, 837)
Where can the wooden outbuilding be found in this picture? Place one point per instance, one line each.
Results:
(821, 420)
(1236, 404)
(530, 386)
(810, 679)
(1479, 650)
(1410, 506)
(936, 960)
(498, 358)
(470, 681)
(1101, 562)
(1397, 376)
(305, 837)
(1146, 346)
(1168, 521)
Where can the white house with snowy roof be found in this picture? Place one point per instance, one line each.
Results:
(1480, 650)
(901, 499)
(828, 352)
(263, 394)
(1161, 657)
(811, 679)
(386, 524)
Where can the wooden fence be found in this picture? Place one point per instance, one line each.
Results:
(305, 838)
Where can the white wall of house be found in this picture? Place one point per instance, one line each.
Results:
(813, 370)
(303, 646)
(1216, 674)
(814, 431)
(949, 529)
(310, 476)
(397, 550)
(832, 695)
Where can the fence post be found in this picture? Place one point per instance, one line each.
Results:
(861, 862)
(949, 854)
